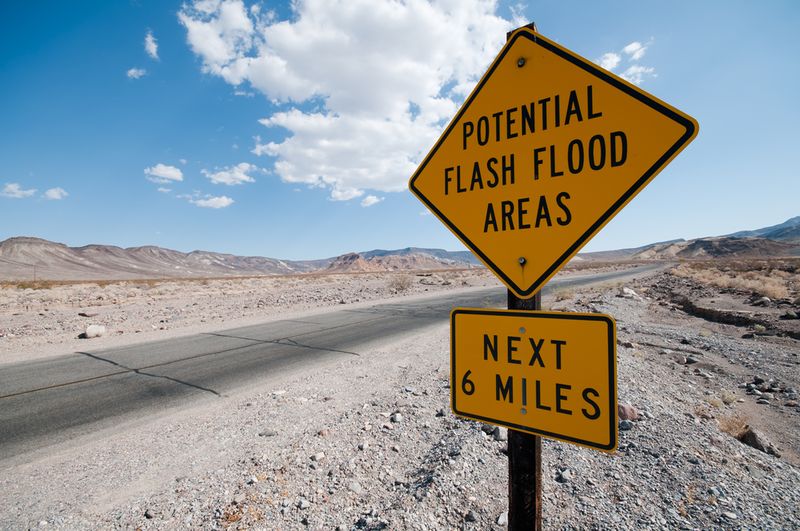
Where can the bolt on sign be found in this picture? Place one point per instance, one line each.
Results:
(542, 154)
(552, 374)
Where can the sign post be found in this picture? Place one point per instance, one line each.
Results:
(543, 153)
(524, 455)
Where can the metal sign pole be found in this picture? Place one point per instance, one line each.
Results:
(524, 449)
(524, 458)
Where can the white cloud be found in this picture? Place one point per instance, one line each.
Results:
(635, 50)
(636, 73)
(213, 202)
(182, 161)
(164, 190)
(371, 200)
(55, 194)
(15, 190)
(233, 175)
(151, 45)
(367, 85)
(163, 174)
(136, 73)
(609, 60)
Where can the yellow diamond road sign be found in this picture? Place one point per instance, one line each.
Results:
(543, 153)
(547, 373)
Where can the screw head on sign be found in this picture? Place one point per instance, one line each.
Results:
(522, 260)
(521, 62)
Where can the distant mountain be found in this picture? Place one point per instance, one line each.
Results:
(789, 230)
(775, 241)
(25, 258)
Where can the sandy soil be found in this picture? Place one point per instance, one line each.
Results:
(327, 450)
(37, 323)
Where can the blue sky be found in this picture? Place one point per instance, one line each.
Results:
(258, 128)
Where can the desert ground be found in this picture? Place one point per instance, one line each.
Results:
(709, 370)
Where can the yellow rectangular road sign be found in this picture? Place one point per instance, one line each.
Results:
(547, 373)
(543, 153)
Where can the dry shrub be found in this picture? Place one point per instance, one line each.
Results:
(767, 282)
(399, 283)
(733, 424)
(727, 397)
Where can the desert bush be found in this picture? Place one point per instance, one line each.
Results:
(400, 283)
(733, 424)
(765, 281)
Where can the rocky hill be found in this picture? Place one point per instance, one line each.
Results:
(26, 258)
(781, 240)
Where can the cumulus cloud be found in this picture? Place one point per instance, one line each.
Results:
(151, 45)
(136, 73)
(365, 86)
(164, 190)
(233, 175)
(15, 191)
(609, 60)
(635, 50)
(55, 194)
(635, 73)
(163, 174)
(370, 200)
(213, 202)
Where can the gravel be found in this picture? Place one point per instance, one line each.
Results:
(370, 443)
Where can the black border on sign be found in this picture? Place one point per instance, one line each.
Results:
(612, 373)
(591, 68)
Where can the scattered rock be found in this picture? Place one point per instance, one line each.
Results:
(87, 314)
(628, 293)
(396, 418)
(503, 519)
(627, 411)
(303, 504)
(762, 301)
(319, 456)
(93, 331)
(564, 476)
(500, 434)
(755, 439)
(625, 425)
(268, 433)
(148, 514)
(471, 516)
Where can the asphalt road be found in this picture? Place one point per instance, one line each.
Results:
(54, 400)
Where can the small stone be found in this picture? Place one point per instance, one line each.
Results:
(753, 438)
(252, 480)
(762, 401)
(564, 476)
(791, 314)
(791, 403)
(323, 432)
(319, 456)
(729, 515)
(502, 519)
(625, 425)
(363, 445)
(303, 504)
(440, 412)
(87, 314)
(763, 301)
(396, 418)
(268, 433)
(627, 411)
(500, 434)
(93, 331)
(148, 514)
(690, 360)
(471, 516)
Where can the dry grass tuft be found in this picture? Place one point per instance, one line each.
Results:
(776, 279)
(400, 283)
(733, 424)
